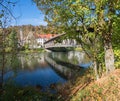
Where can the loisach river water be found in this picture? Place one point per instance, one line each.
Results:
(44, 69)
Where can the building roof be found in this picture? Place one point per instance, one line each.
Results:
(45, 36)
(55, 37)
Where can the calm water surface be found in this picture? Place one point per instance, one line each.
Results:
(43, 69)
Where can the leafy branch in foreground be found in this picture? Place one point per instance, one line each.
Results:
(89, 21)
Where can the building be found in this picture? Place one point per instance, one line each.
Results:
(33, 40)
(41, 38)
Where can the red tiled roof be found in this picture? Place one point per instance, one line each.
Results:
(46, 36)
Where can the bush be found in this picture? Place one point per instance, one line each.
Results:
(117, 58)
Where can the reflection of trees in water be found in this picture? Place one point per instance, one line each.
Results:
(18, 61)
(14, 62)
(64, 69)
(8, 62)
(71, 57)
(32, 60)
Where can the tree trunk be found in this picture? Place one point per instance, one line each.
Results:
(109, 60)
(96, 69)
(109, 54)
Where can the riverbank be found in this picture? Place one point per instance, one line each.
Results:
(32, 50)
(105, 89)
(54, 49)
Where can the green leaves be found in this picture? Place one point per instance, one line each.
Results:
(74, 17)
(11, 42)
(117, 58)
(1, 15)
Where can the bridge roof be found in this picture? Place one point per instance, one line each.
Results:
(53, 38)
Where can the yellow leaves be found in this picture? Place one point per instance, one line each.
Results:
(77, 1)
(55, 12)
(117, 64)
(117, 58)
(90, 35)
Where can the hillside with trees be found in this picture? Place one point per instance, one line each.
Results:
(36, 29)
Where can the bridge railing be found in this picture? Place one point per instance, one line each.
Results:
(59, 45)
(64, 43)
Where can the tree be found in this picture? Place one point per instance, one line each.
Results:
(89, 21)
(107, 16)
(5, 19)
(11, 42)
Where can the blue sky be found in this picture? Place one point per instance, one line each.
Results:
(27, 12)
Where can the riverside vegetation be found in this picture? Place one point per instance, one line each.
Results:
(95, 24)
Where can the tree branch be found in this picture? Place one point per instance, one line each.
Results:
(7, 10)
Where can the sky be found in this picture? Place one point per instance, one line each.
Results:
(26, 12)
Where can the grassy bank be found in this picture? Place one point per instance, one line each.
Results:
(105, 89)
(32, 50)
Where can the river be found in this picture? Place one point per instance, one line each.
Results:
(43, 69)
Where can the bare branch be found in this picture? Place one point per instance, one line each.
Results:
(7, 10)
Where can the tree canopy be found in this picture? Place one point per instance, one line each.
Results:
(92, 22)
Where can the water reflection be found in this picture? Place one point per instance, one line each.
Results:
(62, 69)
(43, 70)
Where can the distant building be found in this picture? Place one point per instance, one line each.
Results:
(33, 40)
(41, 38)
